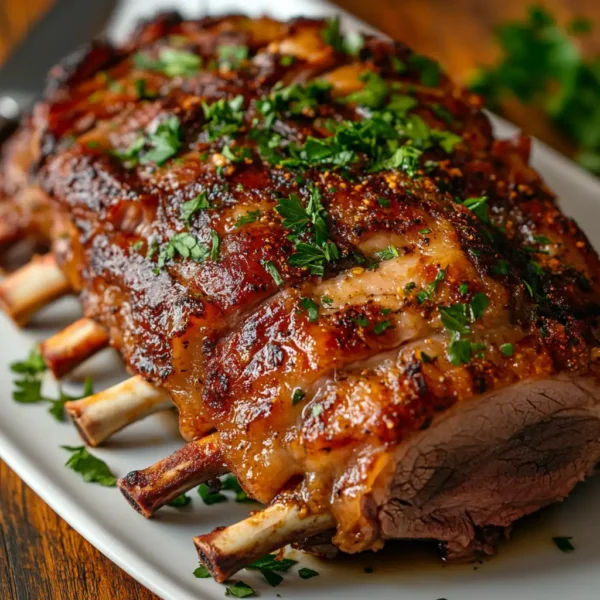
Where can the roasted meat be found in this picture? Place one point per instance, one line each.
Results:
(316, 245)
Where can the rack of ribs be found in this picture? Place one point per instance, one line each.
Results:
(363, 305)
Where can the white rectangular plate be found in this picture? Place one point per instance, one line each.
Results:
(160, 554)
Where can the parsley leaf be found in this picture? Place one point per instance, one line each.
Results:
(271, 269)
(202, 572)
(231, 56)
(216, 245)
(209, 497)
(311, 307)
(179, 502)
(250, 217)
(171, 62)
(224, 117)
(388, 253)
(564, 544)
(298, 396)
(229, 482)
(164, 142)
(381, 327)
(92, 469)
(184, 244)
(306, 573)
(189, 208)
(239, 590)
(429, 70)
(479, 207)
(507, 349)
(269, 564)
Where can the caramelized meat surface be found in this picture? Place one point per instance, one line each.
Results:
(313, 242)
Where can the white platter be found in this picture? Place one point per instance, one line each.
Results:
(160, 554)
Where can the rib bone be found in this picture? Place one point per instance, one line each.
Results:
(197, 462)
(99, 416)
(227, 550)
(73, 345)
(32, 287)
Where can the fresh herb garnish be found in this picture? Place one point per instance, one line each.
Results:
(429, 70)
(542, 66)
(171, 62)
(457, 319)
(388, 253)
(479, 207)
(216, 245)
(250, 217)
(564, 544)
(202, 572)
(209, 497)
(231, 56)
(164, 143)
(92, 469)
(297, 396)
(383, 202)
(224, 117)
(428, 292)
(271, 269)
(306, 573)
(311, 307)
(308, 223)
(184, 244)
(507, 349)
(179, 502)
(189, 208)
(381, 327)
(317, 409)
(269, 566)
(326, 301)
(239, 590)
(230, 483)
(351, 43)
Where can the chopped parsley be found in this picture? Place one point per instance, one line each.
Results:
(189, 208)
(179, 502)
(457, 319)
(374, 92)
(381, 327)
(388, 253)
(351, 43)
(383, 202)
(230, 483)
(202, 572)
(326, 301)
(298, 396)
(271, 269)
(424, 231)
(29, 385)
(428, 292)
(224, 117)
(269, 566)
(231, 56)
(463, 288)
(142, 91)
(306, 573)
(250, 217)
(564, 544)
(479, 207)
(92, 469)
(161, 145)
(239, 590)
(311, 307)
(209, 498)
(171, 62)
(216, 245)
(429, 70)
(308, 223)
(507, 349)
(185, 245)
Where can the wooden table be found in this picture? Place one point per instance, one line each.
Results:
(43, 558)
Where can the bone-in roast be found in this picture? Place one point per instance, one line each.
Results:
(363, 305)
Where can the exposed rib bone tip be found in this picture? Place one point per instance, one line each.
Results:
(228, 549)
(32, 287)
(73, 345)
(99, 416)
(197, 462)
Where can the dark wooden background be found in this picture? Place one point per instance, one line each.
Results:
(41, 557)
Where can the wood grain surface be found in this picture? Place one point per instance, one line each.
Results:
(43, 558)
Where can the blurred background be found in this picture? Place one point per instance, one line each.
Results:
(538, 64)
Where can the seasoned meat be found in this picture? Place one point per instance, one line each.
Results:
(317, 246)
